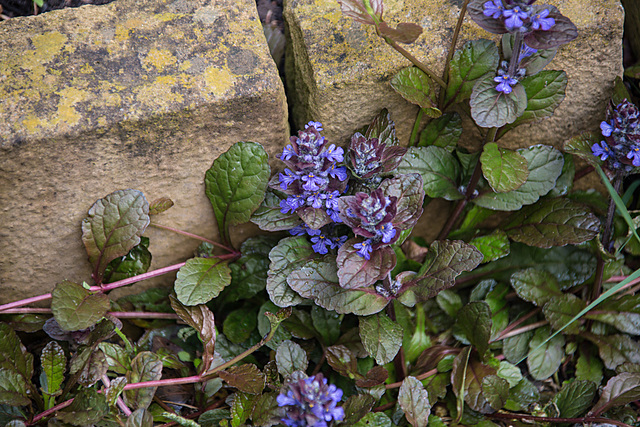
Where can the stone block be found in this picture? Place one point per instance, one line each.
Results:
(339, 70)
(138, 94)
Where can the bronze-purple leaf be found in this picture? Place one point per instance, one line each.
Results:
(247, 378)
(406, 32)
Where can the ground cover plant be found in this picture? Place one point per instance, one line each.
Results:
(522, 312)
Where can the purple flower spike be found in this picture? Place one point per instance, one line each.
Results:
(505, 82)
(334, 154)
(526, 51)
(338, 172)
(364, 249)
(387, 232)
(634, 154)
(316, 125)
(606, 128)
(320, 243)
(514, 17)
(540, 21)
(287, 178)
(291, 204)
(601, 150)
(312, 182)
(315, 200)
(493, 9)
(287, 153)
(311, 402)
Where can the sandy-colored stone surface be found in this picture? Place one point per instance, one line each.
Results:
(135, 94)
(342, 69)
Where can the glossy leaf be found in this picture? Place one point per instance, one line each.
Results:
(314, 218)
(326, 323)
(117, 358)
(535, 286)
(492, 246)
(614, 350)
(414, 401)
(201, 319)
(137, 261)
(88, 408)
(248, 277)
(201, 279)
(381, 337)
(115, 390)
(13, 354)
(343, 361)
(290, 357)
(474, 321)
(160, 205)
(581, 146)
(620, 390)
(139, 418)
(269, 320)
(546, 360)
(491, 108)
(374, 419)
(408, 189)
(574, 398)
(545, 91)
(446, 260)
(405, 32)
(356, 407)
(416, 87)
(236, 184)
(474, 60)
(113, 227)
(89, 366)
(289, 255)
(318, 280)
(75, 307)
(146, 366)
(545, 166)
(383, 128)
(374, 377)
(622, 313)
(563, 31)
(266, 411)
(505, 170)
(356, 272)
(495, 391)
(53, 363)
(239, 324)
(443, 132)
(13, 388)
(560, 310)
(524, 393)
(552, 222)
(246, 378)
(440, 171)
(269, 217)
(589, 367)
(241, 408)
(534, 63)
(564, 183)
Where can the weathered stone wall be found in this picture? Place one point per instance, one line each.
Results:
(135, 94)
(341, 69)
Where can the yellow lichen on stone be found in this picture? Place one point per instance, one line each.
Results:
(67, 114)
(164, 17)
(159, 94)
(48, 45)
(218, 80)
(31, 124)
(160, 59)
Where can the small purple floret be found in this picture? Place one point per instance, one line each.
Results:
(320, 243)
(311, 402)
(493, 9)
(364, 249)
(540, 21)
(514, 17)
(601, 150)
(387, 232)
(606, 128)
(634, 154)
(505, 81)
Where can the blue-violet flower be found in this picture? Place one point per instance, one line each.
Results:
(493, 8)
(540, 21)
(311, 402)
(621, 131)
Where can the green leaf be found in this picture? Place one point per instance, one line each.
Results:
(146, 366)
(246, 378)
(580, 146)
(588, 367)
(491, 108)
(408, 189)
(509, 372)
(414, 401)
(560, 310)
(564, 184)
(241, 408)
(545, 166)
(543, 361)
(318, 280)
(13, 388)
(14, 355)
(115, 389)
(327, 323)
(552, 222)
(545, 91)
(474, 60)
(615, 350)
(623, 314)
(89, 365)
(343, 361)
(440, 171)
(290, 357)
(239, 324)
(137, 261)
(358, 406)
(374, 419)
(574, 398)
(381, 337)
(418, 88)
(117, 358)
(213, 417)
(443, 132)
(474, 322)
(53, 364)
(76, 308)
(524, 394)
(201, 279)
(492, 246)
(236, 184)
(160, 205)
(516, 348)
(620, 390)
(269, 217)
(288, 256)
(88, 408)
(140, 418)
(459, 379)
(622, 208)
(248, 277)
(268, 324)
(495, 390)
(505, 170)
(446, 260)
(113, 227)
(449, 301)
(497, 300)
(535, 286)
(483, 390)
(356, 272)
(266, 411)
